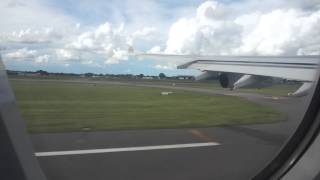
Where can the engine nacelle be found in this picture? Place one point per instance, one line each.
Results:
(304, 90)
(251, 81)
(228, 79)
(235, 81)
(206, 75)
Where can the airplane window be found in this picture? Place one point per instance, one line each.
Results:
(160, 89)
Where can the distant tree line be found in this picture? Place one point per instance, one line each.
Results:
(94, 75)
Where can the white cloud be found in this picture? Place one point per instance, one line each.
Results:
(78, 25)
(145, 34)
(23, 53)
(42, 35)
(309, 50)
(18, 14)
(282, 32)
(33, 56)
(88, 62)
(117, 56)
(276, 32)
(48, 56)
(42, 59)
(248, 27)
(64, 54)
(211, 10)
(105, 40)
(155, 49)
(207, 32)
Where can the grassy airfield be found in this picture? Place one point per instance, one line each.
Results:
(65, 107)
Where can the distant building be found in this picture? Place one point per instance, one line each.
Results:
(181, 77)
(21, 74)
(147, 77)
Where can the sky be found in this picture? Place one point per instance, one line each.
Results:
(95, 35)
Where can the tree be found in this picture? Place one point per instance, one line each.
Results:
(162, 76)
(89, 74)
(43, 73)
(140, 76)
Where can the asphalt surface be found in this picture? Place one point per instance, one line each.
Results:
(243, 150)
(238, 157)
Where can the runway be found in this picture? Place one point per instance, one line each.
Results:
(222, 152)
(221, 161)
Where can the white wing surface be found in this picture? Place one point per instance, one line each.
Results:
(300, 68)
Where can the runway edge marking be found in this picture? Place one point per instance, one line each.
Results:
(125, 149)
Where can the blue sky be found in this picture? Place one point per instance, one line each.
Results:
(93, 36)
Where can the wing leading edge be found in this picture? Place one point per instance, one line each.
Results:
(300, 68)
(253, 68)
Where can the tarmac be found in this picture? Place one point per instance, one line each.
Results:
(221, 152)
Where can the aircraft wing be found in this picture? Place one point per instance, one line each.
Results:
(300, 68)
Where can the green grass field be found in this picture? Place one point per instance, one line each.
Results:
(275, 90)
(64, 107)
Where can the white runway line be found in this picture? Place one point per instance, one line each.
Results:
(139, 148)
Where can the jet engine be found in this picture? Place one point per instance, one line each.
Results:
(206, 75)
(235, 81)
(303, 90)
(228, 79)
(251, 81)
